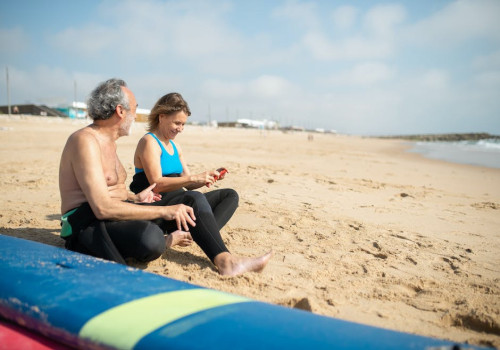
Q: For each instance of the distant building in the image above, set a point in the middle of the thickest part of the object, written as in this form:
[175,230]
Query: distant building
[293,128]
[142,114]
[250,123]
[258,124]
[77,110]
[31,109]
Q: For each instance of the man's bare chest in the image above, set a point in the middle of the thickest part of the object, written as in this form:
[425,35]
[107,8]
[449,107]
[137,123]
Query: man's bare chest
[114,172]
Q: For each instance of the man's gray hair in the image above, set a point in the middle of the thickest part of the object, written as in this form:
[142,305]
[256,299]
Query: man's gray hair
[104,99]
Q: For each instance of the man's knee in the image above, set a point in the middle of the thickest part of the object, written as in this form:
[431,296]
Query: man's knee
[153,243]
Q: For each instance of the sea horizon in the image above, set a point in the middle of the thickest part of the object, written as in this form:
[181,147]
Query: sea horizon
[484,152]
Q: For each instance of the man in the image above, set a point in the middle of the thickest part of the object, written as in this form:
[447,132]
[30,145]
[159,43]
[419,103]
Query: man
[99,216]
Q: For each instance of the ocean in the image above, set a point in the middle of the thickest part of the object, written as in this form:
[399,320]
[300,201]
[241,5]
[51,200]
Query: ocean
[483,152]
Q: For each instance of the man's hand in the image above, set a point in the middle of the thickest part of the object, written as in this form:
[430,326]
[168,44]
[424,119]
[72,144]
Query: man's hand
[182,214]
[147,195]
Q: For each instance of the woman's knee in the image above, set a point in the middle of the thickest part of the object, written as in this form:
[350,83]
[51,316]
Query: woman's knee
[197,200]
[233,195]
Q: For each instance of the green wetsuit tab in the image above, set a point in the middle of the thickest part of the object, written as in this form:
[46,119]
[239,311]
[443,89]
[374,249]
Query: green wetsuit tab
[66,229]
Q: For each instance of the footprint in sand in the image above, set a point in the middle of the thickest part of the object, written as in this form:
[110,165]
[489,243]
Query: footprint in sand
[379,255]
[452,264]
[356,226]
[474,320]
[298,303]
[486,205]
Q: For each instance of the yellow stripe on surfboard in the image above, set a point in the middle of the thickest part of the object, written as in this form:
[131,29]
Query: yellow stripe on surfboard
[125,325]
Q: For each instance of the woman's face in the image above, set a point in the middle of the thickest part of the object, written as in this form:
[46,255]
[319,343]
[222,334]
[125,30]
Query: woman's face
[173,124]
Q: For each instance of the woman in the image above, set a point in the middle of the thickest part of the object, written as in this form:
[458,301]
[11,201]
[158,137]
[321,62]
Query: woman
[158,160]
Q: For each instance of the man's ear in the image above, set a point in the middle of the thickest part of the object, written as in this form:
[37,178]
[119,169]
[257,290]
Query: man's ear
[120,111]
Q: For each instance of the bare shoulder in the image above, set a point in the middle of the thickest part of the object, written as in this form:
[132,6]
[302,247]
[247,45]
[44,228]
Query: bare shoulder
[147,138]
[81,134]
[81,140]
[148,143]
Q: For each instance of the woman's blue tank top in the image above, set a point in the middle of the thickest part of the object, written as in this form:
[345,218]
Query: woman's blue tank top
[170,164]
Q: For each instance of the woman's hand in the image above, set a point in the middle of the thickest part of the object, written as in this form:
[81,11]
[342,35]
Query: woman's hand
[182,214]
[147,195]
[217,175]
[206,178]
[221,173]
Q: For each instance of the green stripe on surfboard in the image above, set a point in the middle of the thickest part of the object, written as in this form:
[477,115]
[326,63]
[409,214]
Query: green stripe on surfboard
[125,325]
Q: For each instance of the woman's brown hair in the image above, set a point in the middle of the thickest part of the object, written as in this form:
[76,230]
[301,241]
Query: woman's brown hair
[169,104]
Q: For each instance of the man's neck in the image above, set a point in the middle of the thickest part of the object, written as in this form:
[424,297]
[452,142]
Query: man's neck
[105,130]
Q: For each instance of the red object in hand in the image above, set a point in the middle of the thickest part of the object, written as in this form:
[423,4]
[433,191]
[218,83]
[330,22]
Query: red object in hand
[222,172]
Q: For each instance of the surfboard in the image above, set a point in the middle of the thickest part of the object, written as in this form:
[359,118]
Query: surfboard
[85,302]
[13,336]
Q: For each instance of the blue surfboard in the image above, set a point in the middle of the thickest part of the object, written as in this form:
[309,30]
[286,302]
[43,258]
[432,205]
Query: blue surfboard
[85,302]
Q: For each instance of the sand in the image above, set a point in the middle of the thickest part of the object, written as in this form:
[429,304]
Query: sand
[361,230]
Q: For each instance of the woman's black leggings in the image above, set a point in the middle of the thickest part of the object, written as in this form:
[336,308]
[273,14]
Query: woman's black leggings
[212,211]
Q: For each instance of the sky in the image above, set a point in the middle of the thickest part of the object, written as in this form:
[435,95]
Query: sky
[357,67]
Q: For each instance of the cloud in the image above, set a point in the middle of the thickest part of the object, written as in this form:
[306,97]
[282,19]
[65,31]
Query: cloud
[376,40]
[268,87]
[433,80]
[214,88]
[363,75]
[301,14]
[488,61]
[456,24]
[354,48]
[489,79]
[192,36]
[381,21]
[198,35]
[152,30]
[88,41]
[344,17]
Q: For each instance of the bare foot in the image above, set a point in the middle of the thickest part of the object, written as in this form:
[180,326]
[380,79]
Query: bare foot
[230,265]
[181,238]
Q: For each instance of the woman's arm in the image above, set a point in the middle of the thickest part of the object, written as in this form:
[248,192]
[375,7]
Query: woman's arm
[197,181]
[148,157]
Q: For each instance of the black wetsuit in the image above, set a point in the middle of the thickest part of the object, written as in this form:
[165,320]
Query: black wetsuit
[144,240]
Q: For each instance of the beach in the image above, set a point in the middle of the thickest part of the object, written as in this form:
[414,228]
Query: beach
[361,230]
